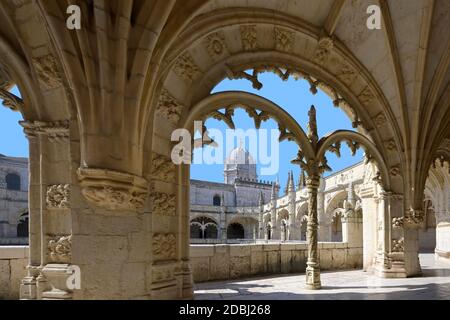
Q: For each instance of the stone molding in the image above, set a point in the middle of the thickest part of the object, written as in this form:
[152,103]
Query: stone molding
[164,246]
[113,190]
[56,131]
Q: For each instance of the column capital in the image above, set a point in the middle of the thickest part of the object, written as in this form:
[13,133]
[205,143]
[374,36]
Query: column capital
[113,190]
[56,131]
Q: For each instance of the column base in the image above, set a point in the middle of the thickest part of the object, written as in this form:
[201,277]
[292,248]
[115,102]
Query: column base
[387,267]
[313,277]
[28,289]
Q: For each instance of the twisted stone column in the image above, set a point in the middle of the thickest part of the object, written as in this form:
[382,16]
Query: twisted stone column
[313,266]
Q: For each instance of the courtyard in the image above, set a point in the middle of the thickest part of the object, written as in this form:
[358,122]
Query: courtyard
[434,284]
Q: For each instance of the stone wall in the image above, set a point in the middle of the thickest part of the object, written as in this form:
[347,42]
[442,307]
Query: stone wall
[232,261]
[13,262]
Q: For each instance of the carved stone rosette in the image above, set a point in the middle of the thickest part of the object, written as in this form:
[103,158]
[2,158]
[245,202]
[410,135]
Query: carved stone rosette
[58,196]
[59,249]
[113,190]
[164,246]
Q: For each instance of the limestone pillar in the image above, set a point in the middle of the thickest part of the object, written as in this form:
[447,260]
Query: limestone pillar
[28,285]
[313,266]
[292,207]
[51,140]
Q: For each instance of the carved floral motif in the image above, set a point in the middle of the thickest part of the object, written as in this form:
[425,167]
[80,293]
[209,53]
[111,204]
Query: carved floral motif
[284,39]
[47,71]
[248,37]
[162,168]
[366,96]
[186,68]
[163,203]
[59,249]
[215,44]
[169,108]
[164,246]
[398,245]
[323,50]
[58,196]
[380,120]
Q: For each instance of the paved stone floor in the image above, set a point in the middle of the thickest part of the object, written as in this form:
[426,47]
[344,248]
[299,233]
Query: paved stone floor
[341,285]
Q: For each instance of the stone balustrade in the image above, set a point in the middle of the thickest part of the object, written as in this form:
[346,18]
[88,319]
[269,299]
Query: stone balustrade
[232,261]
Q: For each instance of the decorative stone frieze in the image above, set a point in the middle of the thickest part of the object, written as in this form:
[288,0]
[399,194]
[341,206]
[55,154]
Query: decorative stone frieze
[163,273]
[169,108]
[284,39]
[248,37]
[58,196]
[47,71]
[164,246]
[57,131]
[113,190]
[59,249]
[380,120]
[323,50]
[162,168]
[398,245]
[163,203]
[186,68]
[366,96]
[215,45]
[346,73]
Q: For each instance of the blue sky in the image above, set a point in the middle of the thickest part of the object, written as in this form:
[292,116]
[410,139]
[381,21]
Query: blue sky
[292,95]
[12,142]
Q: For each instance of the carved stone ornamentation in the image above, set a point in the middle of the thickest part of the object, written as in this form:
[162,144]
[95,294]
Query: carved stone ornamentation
[10,100]
[394,171]
[284,39]
[47,71]
[164,246]
[59,249]
[323,50]
[398,245]
[248,37]
[57,131]
[169,108]
[163,273]
[162,168]
[113,190]
[366,96]
[390,145]
[215,44]
[163,203]
[58,196]
[186,68]
[380,120]
[346,73]
[398,222]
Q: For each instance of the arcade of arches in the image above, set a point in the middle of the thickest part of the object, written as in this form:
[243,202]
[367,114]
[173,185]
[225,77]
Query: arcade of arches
[99,106]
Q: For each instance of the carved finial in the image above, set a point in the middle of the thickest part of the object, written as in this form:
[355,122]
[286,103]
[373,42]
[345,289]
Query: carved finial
[274,194]
[312,126]
[261,199]
[302,180]
[291,184]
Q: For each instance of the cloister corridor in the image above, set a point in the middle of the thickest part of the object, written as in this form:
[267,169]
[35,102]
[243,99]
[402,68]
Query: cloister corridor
[337,285]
